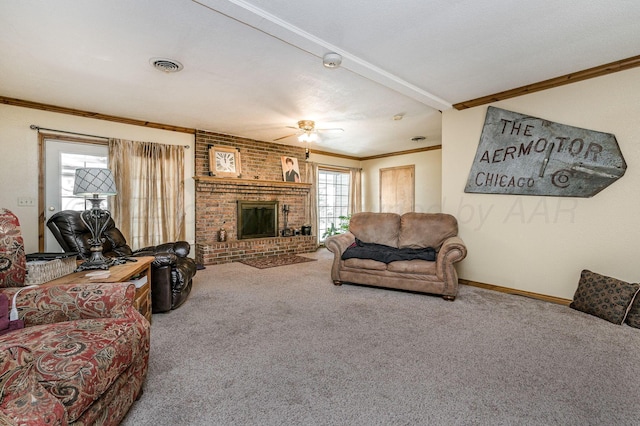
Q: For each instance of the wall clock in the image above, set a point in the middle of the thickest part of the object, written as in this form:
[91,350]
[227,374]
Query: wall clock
[224,161]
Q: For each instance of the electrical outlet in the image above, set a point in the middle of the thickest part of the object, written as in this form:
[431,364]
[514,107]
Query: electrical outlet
[26,202]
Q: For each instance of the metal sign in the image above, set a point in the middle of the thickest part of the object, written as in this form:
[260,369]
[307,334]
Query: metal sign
[523,155]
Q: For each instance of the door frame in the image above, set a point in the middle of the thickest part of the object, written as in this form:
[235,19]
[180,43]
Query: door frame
[42,138]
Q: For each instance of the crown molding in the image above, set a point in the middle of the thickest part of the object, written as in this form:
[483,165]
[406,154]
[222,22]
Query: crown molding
[87,114]
[332,154]
[410,151]
[598,71]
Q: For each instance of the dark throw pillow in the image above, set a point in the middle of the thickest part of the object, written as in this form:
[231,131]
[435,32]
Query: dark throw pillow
[604,297]
[633,317]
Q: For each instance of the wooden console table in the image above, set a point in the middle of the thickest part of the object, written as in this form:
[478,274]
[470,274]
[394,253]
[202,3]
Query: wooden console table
[130,271]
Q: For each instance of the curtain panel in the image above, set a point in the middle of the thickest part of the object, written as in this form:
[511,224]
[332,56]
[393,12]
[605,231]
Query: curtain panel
[355,191]
[312,199]
[149,207]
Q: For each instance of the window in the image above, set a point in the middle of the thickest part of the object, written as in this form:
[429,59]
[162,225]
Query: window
[333,199]
[60,156]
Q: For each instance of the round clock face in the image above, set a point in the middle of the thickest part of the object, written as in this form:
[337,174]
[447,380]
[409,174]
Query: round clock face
[225,162]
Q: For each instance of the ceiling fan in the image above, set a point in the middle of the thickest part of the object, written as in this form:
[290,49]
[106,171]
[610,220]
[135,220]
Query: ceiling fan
[307,131]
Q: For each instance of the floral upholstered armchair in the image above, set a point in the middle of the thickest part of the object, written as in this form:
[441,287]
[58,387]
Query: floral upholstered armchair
[82,355]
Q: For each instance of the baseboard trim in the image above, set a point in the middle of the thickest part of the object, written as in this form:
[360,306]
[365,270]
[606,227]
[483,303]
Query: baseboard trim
[552,299]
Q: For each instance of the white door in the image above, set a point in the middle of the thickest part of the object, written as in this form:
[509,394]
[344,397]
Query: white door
[61,160]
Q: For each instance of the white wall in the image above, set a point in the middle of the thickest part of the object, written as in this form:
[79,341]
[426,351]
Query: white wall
[333,161]
[428,179]
[19,159]
[540,244]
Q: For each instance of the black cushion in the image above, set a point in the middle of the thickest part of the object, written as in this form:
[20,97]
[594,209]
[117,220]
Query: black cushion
[387,254]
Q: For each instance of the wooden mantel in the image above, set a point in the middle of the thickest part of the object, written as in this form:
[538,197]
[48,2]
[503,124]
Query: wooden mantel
[215,184]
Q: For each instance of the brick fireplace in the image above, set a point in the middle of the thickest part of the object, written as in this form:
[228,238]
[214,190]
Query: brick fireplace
[261,180]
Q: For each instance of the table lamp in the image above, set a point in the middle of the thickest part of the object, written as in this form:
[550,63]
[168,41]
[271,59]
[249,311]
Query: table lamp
[94,183]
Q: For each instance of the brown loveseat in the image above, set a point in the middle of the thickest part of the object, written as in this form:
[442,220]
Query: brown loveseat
[415,234]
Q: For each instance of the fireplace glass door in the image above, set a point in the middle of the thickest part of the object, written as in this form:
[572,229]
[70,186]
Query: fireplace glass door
[257,219]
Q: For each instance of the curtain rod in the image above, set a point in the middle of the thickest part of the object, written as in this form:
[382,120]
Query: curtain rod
[337,167]
[38,128]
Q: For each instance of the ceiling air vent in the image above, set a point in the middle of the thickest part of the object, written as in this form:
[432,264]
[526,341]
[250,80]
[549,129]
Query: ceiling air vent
[165,65]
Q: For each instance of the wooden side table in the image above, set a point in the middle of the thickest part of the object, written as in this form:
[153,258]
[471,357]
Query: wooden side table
[138,272]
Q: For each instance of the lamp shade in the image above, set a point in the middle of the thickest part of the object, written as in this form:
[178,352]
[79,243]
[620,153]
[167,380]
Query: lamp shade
[90,181]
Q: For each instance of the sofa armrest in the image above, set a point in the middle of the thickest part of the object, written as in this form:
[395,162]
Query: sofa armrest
[23,400]
[452,250]
[56,303]
[163,258]
[181,248]
[337,244]
[14,360]
[178,248]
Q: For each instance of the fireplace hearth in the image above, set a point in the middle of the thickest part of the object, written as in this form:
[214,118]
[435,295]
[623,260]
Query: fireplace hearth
[257,219]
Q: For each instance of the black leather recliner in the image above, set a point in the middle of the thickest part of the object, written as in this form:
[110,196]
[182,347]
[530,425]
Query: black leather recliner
[171,271]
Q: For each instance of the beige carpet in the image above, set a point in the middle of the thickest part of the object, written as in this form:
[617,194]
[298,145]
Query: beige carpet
[284,346]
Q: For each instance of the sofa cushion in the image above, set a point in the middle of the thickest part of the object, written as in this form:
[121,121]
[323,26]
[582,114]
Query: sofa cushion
[379,228]
[604,297]
[413,267]
[365,264]
[77,361]
[421,230]
[21,396]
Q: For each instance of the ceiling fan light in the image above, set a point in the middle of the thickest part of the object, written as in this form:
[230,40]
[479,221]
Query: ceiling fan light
[308,137]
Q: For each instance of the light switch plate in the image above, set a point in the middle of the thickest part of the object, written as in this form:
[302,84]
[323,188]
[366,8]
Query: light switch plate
[26,202]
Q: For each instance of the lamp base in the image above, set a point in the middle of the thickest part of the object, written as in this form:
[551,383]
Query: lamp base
[98,261]
[96,221]
[88,265]
[105,264]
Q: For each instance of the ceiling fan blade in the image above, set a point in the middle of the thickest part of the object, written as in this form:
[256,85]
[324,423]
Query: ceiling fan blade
[307,126]
[284,137]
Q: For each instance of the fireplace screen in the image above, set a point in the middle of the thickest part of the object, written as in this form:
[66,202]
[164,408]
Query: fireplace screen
[257,219]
